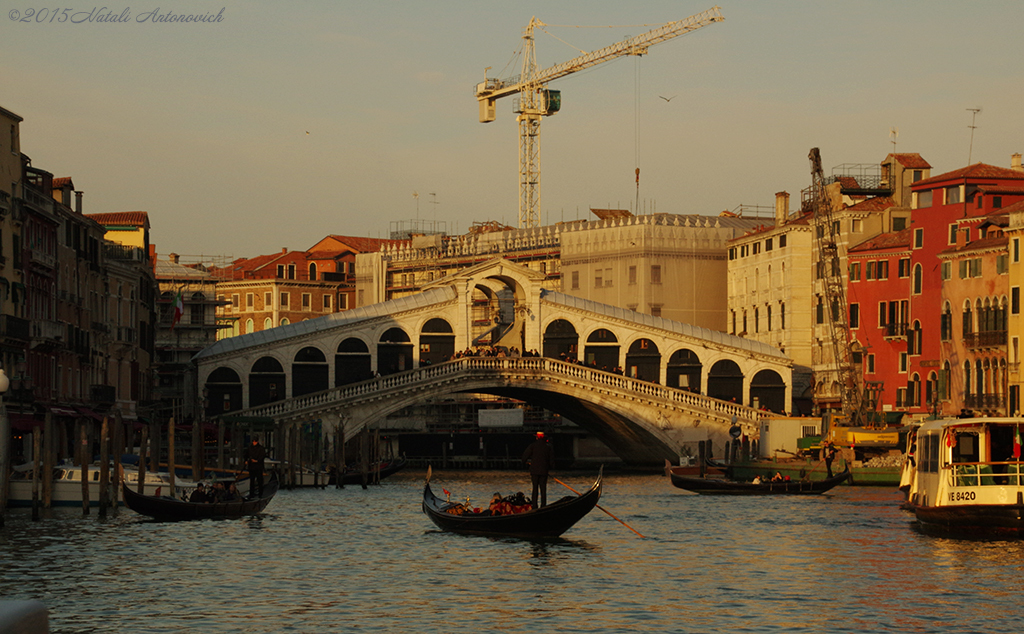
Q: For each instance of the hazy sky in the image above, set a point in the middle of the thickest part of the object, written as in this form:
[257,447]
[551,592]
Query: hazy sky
[288,121]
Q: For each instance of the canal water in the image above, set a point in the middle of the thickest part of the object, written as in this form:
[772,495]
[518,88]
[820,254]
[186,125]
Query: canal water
[355,560]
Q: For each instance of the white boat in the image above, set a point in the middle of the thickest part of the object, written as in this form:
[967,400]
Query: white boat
[965,476]
[67,485]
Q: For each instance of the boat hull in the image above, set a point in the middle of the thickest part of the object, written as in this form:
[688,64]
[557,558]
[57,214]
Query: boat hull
[993,520]
[166,508]
[721,486]
[388,469]
[546,522]
[67,487]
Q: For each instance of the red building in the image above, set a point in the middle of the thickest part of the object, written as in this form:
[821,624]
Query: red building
[879,310]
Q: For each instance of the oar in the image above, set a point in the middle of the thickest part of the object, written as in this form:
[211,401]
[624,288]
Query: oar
[598,506]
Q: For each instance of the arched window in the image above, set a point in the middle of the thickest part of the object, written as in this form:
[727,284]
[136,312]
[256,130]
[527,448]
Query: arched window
[918,279]
[312,271]
[249,326]
[268,323]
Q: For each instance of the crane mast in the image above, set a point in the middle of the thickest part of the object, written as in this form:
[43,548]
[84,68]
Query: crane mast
[537,101]
[834,285]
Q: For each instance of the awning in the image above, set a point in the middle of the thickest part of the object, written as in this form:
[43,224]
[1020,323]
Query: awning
[62,411]
[24,422]
[85,411]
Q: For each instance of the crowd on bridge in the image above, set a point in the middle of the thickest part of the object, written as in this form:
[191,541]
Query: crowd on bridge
[493,351]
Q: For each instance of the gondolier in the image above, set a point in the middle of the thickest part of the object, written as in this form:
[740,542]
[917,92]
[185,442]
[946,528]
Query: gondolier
[254,458]
[541,458]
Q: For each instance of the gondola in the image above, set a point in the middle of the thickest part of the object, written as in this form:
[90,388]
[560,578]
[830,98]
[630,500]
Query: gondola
[386,468]
[168,508]
[546,522]
[722,486]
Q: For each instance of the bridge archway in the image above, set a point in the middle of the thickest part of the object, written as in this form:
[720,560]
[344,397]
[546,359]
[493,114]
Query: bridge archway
[684,371]
[643,361]
[602,350]
[767,389]
[352,362]
[266,382]
[222,392]
[394,352]
[725,381]
[309,371]
[561,341]
[437,341]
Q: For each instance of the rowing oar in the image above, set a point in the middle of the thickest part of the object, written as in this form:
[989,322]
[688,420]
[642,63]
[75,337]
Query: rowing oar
[598,506]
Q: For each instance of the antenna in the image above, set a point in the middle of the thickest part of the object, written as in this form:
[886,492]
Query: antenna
[974,113]
[893,133]
[434,202]
[416,195]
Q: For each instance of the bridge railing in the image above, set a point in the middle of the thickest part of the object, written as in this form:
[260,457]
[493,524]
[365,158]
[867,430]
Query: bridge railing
[581,375]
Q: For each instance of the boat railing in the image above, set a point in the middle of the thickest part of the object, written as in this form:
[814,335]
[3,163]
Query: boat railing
[972,474]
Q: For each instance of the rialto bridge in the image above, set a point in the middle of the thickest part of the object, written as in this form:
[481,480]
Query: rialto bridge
[641,384]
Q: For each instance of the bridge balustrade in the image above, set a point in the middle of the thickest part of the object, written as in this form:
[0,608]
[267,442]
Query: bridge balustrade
[581,376]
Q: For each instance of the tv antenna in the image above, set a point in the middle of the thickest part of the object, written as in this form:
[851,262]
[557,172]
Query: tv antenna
[894,132]
[970,151]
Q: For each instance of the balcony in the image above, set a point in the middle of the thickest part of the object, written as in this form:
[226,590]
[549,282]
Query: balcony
[102,394]
[985,339]
[46,333]
[985,401]
[46,260]
[895,330]
[13,327]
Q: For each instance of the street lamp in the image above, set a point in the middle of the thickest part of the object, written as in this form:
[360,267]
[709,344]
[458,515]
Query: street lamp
[5,445]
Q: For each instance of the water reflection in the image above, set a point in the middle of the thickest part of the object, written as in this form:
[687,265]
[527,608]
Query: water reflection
[353,559]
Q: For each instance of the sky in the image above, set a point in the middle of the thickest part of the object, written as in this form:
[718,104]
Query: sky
[280,123]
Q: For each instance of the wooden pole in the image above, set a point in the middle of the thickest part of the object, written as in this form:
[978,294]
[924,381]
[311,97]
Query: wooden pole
[37,464]
[197,468]
[118,444]
[48,450]
[143,445]
[170,453]
[342,465]
[220,445]
[364,457]
[86,459]
[155,447]
[104,466]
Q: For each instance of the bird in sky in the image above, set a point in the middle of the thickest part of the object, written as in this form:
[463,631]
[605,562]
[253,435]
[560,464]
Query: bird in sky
[669,98]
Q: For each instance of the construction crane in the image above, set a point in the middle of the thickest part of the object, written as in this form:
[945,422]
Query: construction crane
[834,284]
[536,100]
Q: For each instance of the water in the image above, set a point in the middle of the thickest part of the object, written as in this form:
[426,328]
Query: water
[369,561]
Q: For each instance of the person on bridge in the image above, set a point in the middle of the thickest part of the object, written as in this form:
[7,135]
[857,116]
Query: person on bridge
[541,458]
[254,458]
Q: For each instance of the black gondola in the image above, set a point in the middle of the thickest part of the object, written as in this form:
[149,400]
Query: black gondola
[722,486]
[385,469]
[168,508]
[548,521]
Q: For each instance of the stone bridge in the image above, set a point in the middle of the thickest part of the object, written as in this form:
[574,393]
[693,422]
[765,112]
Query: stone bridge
[641,384]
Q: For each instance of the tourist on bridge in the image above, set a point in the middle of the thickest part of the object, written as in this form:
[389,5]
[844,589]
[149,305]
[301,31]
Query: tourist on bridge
[541,458]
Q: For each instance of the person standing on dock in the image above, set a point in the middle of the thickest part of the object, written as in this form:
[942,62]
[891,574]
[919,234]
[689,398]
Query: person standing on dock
[254,458]
[541,458]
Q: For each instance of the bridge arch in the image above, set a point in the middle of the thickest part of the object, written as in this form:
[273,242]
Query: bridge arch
[643,360]
[222,392]
[602,350]
[561,341]
[768,389]
[309,371]
[437,341]
[684,370]
[394,351]
[352,362]
[266,381]
[725,381]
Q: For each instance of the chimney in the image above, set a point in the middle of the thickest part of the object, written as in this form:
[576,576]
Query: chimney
[781,208]
[1015,163]
[78,202]
[173,258]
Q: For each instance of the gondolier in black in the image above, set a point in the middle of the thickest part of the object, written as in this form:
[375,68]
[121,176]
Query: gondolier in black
[541,458]
[828,454]
[255,455]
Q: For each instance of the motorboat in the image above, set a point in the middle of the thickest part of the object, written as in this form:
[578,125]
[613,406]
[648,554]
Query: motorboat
[67,484]
[965,476]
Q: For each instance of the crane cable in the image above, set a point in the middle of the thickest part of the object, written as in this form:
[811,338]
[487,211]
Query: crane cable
[636,130]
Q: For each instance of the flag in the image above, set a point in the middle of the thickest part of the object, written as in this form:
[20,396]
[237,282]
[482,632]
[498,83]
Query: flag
[179,309]
[1016,443]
